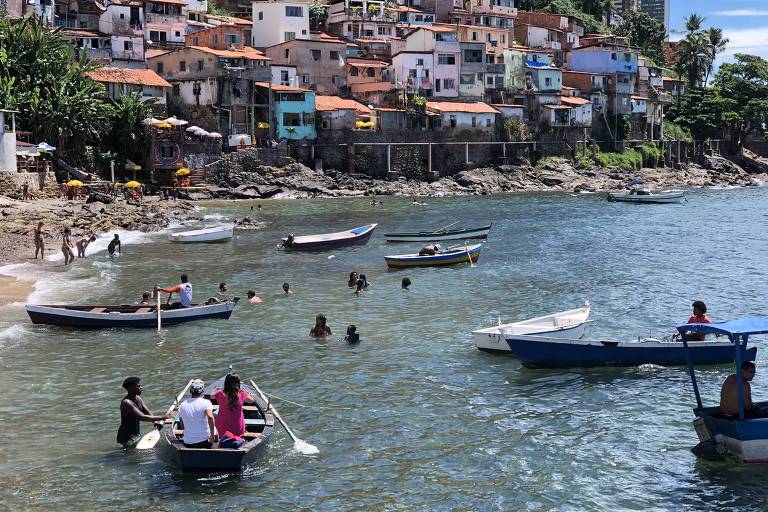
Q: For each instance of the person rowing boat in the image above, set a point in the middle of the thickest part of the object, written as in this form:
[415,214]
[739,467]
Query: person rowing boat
[132,411]
[184,289]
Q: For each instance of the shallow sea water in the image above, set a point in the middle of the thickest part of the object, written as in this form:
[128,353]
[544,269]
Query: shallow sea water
[413,418]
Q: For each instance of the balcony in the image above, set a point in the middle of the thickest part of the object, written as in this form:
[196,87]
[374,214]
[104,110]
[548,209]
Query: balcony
[495,69]
[165,19]
[625,88]
[555,45]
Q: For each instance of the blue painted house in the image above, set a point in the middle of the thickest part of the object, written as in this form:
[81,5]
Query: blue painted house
[609,59]
[541,77]
[293,111]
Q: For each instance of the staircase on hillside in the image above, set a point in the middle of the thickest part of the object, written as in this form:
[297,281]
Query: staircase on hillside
[197,177]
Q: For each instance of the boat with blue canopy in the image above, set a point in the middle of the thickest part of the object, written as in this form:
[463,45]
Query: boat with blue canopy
[745,435]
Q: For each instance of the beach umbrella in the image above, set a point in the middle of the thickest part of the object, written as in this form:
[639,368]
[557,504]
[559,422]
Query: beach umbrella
[262,125]
[182,172]
[193,128]
[201,133]
[162,124]
[75,183]
[45,147]
[132,184]
[175,122]
[215,135]
[151,120]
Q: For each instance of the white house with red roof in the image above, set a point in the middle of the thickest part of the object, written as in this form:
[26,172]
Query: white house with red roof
[122,81]
[475,116]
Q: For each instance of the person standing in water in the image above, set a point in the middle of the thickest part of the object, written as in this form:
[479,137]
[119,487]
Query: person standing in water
[39,241]
[132,411]
[252,298]
[114,244]
[66,247]
[405,283]
[287,289]
[320,329]
[83,243]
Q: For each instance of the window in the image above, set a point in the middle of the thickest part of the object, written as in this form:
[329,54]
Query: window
[291,119]
[232,38]
[182,65]
[195,41]
[289,36]
[419,62]
[157,36]
[412,73]
[449,83]
[438,36]
[467,79]
[200,65]
[384,31]
[128,46]
[613,56]
[178,34]
[474,121]
[353,72]
[370,72]
[474,36]
[175,90]
[94,43]
[446,59]
[489,59]
[334,55]
[122,16]
[261,15]
[489,80]
[305,78]
[303,32]
[334,79]
[349,28]
[294,11]
[473,56]
[284,75]
[452,119]
[214,39]
[287,53]
[548,81]
[315,54]
[627,57]
[159,67]
[488,123]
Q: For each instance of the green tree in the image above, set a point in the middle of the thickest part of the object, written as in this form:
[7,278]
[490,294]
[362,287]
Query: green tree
[42,78]
[647,32]
[317,15]
[128,135]
[693,23]
[716,46]
[692,59]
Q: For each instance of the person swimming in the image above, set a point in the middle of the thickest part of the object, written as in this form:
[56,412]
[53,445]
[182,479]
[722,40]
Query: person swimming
[252,298]
[352,279]
[287,288]
[352,337]
[405,283]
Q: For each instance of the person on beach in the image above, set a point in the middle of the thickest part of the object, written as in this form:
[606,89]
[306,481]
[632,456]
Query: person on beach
[405,283]
[24,191]
[699,316]
[352,279]
[352,337]
[114,244]
[320,329]
[231,400]
[252,298]
[144,299]
[360,287]
[83,243]
[66,247]
[729,397]
[39,241]
[287,289]
[196,413]
[184,289]
[132,411]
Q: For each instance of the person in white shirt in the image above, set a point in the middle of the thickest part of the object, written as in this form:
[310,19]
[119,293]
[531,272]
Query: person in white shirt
[184,290]
[196,413]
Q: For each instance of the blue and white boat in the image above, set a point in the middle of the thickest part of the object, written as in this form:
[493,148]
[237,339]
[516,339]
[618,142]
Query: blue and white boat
[744,436]
[355,236]
[554,352]
[451,256]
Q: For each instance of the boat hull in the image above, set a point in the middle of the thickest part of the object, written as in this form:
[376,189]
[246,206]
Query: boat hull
[746,439]
[438,260]
[622,197]
[495,343]
[332,240]
[85,319]
[480,233]
[545,352]
[203,236]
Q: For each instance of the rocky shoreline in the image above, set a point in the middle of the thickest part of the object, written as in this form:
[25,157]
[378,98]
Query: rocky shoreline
[230,181]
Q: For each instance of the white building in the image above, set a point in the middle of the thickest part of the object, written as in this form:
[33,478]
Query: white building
[278,21]
[124,21]
[475,116]
[196,9]
[284,74]
[8,141]
[166,21]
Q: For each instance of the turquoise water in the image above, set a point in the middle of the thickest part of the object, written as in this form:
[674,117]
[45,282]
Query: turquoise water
[413,418]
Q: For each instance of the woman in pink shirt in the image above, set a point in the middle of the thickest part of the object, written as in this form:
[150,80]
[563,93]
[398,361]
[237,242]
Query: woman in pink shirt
[231,399]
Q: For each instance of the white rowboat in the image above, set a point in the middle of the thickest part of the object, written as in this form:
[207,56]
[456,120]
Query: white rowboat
[570,323]
[207,235]
[640,196]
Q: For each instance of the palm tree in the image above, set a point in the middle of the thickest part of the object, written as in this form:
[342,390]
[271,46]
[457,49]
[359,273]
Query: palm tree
[693,58]
[717,44]
[693,23]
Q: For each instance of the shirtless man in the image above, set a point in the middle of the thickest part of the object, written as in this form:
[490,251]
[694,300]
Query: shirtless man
[132,411]
[39,242]
[729,398]
[83,243]
[66,247]
[252,298]
[114,244]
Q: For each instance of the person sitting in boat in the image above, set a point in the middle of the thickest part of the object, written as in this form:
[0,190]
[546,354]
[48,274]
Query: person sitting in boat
[289,240]
[184,289]
[729,398]
[352,337]
[231,400]
[252,298]
[352,279]
[196,413]
[698,317]
[428,250]
[132,411]
[144,299]
[320,329]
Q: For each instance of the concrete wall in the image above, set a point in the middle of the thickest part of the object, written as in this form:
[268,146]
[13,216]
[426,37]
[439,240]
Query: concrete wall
[270,22]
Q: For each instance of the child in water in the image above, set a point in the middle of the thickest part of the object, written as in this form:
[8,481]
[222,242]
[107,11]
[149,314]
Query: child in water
[352,337]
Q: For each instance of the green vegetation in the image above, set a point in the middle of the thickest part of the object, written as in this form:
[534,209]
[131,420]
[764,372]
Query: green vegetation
[697,51]
[585,162]
[318,15]
[515,130]
[651,154]
[218,11]
[419,104]
[555,160]
[589,12]
[648,33]
[629,160]
[673,131]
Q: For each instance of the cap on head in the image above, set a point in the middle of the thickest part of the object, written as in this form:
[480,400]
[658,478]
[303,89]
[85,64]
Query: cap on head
[197,387]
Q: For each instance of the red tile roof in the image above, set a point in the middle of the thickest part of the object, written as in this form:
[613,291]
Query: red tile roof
[128,76]
[469,108]
[372,87]
[506,105]
[324,103]
[371,63]
[573,100]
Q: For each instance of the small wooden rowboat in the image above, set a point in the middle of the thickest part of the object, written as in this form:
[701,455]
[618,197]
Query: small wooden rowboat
[356,236]
[451,256]
[126,315]
[570,323]
[439,235]
[207,235]
[259,427]
[643,196]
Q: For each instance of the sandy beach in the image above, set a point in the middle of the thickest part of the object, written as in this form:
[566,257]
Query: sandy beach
[14,290]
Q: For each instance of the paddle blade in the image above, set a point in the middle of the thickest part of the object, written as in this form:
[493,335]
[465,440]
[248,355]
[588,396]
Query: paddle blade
[149,440]
[305,448]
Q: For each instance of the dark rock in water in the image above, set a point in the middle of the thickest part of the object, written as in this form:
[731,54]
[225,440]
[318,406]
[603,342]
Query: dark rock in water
[720,165]
[246,192]
[98,197]
[249,223]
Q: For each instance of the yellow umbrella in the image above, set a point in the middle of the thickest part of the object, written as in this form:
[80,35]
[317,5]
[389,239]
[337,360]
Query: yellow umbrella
[161,124]
[262,125]
[132,184]
[75,183]
[183,172]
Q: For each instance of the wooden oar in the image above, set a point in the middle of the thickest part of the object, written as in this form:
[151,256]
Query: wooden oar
[299,445]
[446,227]
[151,438]
[471,264]
[159,322]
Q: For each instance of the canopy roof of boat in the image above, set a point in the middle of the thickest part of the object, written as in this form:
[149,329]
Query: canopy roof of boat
[751,325]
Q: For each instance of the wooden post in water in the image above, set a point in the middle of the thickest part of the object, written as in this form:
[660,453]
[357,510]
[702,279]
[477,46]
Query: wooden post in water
[389,159]
[429,160]
[466,153]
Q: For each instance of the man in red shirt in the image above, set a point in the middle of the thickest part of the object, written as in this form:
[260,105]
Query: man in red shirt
[699,316]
